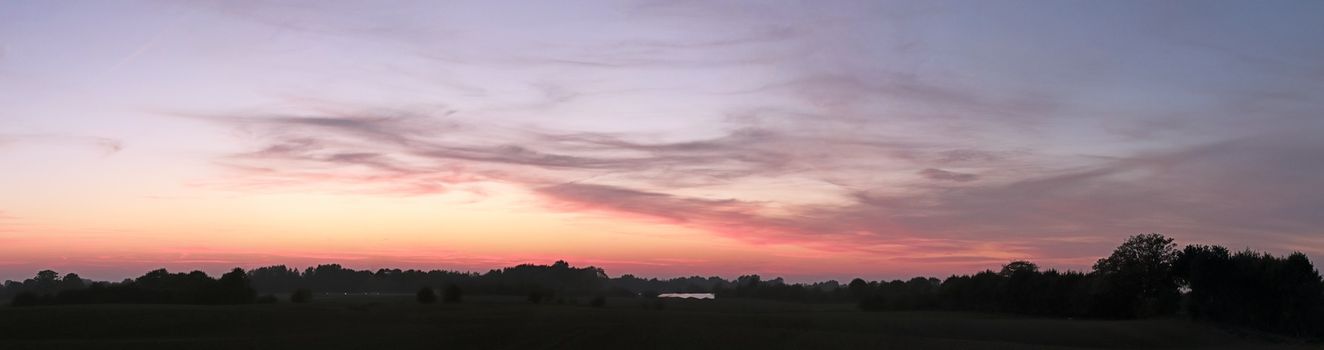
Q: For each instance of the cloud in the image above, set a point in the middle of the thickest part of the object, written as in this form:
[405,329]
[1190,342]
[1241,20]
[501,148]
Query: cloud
[943,175]
[1228,190]
[107,146]
[672,208]
[807,138]
[1231,191]
[418,145]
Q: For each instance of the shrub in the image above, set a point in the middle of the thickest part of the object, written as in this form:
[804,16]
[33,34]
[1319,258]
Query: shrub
[267,299]
[426,295]
[598,301]
[26,299]
[452,294]
[301,296]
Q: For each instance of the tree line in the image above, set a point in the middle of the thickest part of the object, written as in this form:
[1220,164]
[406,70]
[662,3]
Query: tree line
[155,287]
[1145,276]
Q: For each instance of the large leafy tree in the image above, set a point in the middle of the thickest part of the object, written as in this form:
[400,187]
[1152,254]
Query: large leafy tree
[1137,280]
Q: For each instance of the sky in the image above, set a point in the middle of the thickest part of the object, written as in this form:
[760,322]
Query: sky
[807,139]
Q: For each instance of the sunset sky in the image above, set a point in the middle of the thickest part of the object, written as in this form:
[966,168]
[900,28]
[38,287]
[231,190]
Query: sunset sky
[806,139]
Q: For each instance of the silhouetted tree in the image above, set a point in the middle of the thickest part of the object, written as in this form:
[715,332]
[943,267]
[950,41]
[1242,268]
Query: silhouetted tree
[234,288]
[46,282]
[158,287]
[72,281]
[629,285]
[1284,295]
[426,295]
[26,299]
[301,296]
[1137,280]
[1018,266]
[452,294]
[859,289]
[1023,287]
[277,278]
[1144,276]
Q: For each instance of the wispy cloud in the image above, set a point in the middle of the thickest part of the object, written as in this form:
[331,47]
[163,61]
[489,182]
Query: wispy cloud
[904,130]
[944,175]
[107,146]
[886,192]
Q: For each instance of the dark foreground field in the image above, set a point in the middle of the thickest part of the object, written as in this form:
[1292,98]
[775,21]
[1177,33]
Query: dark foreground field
[506,323]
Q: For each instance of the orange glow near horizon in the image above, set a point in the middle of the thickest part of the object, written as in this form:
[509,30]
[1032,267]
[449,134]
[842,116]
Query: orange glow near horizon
[425,232]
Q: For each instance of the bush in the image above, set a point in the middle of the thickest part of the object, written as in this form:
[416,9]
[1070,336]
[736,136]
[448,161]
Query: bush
[598,301]
[536,297]
[301,296]
[452,294]
[267,299]
[26,299]
[426,295]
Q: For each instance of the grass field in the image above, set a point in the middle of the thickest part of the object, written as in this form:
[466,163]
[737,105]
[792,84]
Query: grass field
[395,322]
